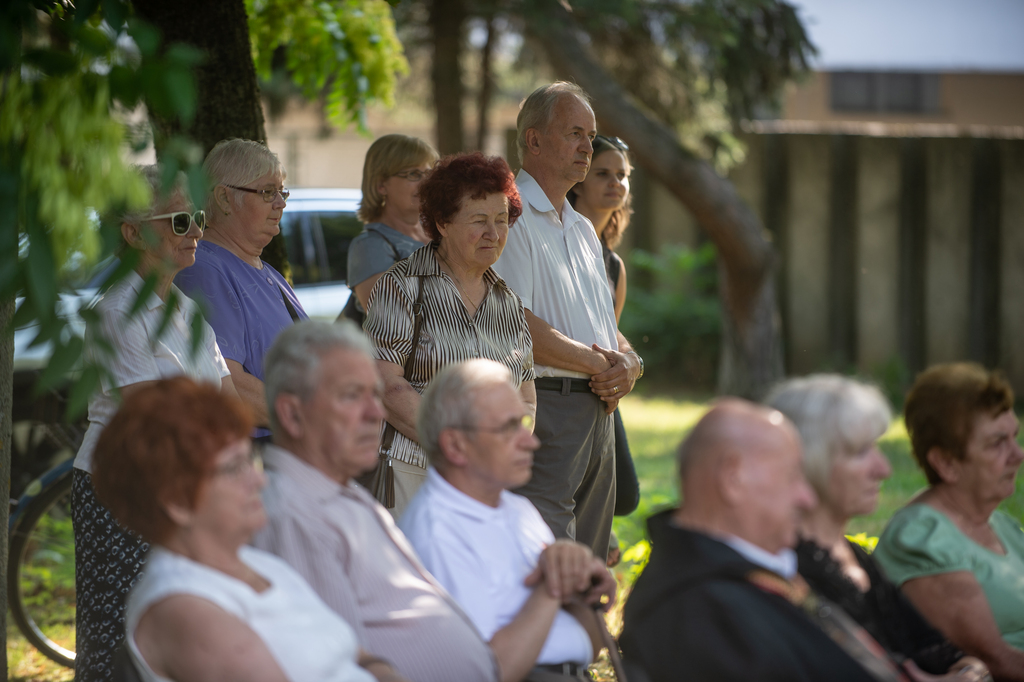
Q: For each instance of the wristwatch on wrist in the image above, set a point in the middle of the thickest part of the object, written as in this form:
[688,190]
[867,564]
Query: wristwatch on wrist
[640,360]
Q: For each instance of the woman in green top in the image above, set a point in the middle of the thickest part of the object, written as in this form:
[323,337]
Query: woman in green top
[959,560]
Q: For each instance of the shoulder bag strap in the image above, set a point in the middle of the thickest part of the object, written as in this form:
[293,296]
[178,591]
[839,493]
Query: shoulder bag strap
[394,247]
[288,305]
[384,490]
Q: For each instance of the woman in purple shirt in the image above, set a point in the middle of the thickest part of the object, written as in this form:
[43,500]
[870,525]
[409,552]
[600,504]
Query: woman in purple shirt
[248,302]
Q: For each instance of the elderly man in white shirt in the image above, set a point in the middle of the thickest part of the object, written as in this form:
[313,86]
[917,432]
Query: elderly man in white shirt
[584,366]
[529,595]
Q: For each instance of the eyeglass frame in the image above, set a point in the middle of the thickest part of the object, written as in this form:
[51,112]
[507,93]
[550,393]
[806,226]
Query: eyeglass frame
[264,193]
[241,466]
[405,174]
[509,428]
[191,216]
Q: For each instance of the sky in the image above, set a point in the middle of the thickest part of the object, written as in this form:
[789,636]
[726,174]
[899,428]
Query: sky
[918,35]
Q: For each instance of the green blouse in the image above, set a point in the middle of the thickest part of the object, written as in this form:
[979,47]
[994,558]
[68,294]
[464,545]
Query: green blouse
[920,541]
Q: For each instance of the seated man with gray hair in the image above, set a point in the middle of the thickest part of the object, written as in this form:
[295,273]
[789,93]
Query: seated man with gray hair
[527,594]
[324,399]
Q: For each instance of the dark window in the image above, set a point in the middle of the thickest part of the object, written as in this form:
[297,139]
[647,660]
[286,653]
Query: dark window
[884,92]
[317,244]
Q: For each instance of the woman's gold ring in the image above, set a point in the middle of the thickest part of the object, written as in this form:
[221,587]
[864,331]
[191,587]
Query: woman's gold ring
[615,390]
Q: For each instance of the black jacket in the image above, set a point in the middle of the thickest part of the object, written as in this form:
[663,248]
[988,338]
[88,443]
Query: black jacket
[693,615]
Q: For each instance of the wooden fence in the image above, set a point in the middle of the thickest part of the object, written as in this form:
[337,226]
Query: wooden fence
[901,246]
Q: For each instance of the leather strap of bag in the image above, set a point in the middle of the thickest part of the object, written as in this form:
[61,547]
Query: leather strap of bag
[384,488]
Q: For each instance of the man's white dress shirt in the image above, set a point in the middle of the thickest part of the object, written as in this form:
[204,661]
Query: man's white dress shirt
[555,265]
[481,555]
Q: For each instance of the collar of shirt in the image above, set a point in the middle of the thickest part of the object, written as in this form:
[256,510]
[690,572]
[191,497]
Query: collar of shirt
[314,483]
[461,503]
[530,191]
[422,263]
[153,302]
[783,563]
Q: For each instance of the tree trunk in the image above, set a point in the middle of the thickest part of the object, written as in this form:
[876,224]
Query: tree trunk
[228,102]
[486,94]
[447,18]
[6,436]
[752,341]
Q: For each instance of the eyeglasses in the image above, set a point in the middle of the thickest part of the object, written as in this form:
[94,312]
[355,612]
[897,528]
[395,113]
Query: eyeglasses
[508,429]
[616,142]
[242,465]
[268,194]
[414,175]
[181,221]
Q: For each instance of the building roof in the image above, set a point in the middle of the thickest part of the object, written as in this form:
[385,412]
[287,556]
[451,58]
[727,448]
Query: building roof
[916,35]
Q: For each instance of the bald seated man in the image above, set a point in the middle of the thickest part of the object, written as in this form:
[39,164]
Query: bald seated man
[720,598]
[528,594]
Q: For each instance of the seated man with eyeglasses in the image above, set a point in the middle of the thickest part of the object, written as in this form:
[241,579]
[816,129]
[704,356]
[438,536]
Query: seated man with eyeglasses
[528,595]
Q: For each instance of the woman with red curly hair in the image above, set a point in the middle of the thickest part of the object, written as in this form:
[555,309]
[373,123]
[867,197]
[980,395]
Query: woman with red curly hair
[176,467]
[448,293]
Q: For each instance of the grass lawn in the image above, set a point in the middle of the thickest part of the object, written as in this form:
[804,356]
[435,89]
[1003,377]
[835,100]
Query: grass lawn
[656,426]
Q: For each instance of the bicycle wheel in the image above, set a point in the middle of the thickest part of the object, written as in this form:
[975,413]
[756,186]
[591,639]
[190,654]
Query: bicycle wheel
[41,572]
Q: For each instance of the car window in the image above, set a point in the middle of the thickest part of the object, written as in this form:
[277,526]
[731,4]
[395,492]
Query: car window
[292,227]
[338,230]
[317,244]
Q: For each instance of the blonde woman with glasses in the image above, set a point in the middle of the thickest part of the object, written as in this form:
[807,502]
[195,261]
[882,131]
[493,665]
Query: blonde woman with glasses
[394,168]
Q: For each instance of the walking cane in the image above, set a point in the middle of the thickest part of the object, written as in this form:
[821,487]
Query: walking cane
[611,644]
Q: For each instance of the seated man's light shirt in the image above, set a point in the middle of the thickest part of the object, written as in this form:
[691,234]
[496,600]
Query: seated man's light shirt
[557,268]
[347,547]
[784,563]
[481,555]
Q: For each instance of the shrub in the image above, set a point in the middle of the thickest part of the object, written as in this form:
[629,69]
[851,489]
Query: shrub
[675,322]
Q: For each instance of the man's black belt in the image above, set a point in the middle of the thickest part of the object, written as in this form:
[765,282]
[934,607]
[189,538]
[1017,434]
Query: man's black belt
[569,669]
[564,385]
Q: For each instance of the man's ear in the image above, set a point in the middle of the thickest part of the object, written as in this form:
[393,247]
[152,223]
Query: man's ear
[532,139]
[731,477]
[944,464]
[453,447]
[288,409]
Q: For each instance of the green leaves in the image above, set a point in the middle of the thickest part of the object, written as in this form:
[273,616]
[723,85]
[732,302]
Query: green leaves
[67,77]
[346,51]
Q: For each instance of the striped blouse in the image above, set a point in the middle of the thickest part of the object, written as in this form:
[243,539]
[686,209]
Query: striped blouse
[448,334]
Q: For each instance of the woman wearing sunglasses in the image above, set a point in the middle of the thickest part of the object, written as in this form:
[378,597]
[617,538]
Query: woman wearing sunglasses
[604,198]
[395,166]
[247,301]
[139,345]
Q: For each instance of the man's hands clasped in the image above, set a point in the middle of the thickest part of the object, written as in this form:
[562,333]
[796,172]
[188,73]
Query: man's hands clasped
[571,573]
[614,383]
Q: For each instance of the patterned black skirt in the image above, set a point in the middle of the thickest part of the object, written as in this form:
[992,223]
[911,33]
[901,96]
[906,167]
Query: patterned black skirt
[108,561]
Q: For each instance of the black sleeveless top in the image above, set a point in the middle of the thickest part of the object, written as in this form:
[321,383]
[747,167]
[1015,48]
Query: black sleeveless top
[613,266]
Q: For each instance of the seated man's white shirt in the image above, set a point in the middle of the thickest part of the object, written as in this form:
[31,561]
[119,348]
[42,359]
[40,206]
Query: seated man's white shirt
[481,555]
[784,563]
[556,267]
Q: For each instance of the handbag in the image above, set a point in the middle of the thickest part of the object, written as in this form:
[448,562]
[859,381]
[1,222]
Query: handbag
[381,482]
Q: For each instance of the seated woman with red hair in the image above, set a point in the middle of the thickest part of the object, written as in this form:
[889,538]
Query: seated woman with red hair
[175,465]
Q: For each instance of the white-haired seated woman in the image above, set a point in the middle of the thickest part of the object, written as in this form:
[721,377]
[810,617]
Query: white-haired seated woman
[840,421]
[176,466]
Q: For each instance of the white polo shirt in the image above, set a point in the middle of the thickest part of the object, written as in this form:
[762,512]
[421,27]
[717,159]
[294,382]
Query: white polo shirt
[481,555]
[554,263]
